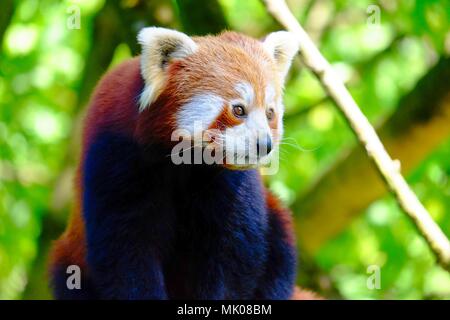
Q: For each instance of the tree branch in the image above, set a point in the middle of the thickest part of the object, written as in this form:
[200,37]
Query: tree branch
[388,168]
[416,128]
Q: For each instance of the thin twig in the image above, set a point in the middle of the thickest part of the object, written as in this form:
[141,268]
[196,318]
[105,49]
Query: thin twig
[388,168]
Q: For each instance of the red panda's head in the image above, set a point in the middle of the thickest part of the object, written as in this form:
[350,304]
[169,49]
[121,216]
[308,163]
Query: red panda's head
[226,89]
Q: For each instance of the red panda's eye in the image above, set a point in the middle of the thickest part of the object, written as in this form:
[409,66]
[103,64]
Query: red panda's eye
[239,110]
[270,114]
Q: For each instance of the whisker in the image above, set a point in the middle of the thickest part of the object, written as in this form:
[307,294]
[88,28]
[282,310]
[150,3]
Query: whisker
[296,145]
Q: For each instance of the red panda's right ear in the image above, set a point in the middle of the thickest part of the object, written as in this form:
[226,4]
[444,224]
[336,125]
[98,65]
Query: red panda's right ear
[282,46]
[159,47]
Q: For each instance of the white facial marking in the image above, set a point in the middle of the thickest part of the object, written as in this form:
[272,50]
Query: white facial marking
[257,122]
[270,95]
[246,92]
[273,102]
[240,140]
[280,110]
[200,111]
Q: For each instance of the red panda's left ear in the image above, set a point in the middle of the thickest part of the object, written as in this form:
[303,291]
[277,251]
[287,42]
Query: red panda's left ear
[282,47]
[159,47]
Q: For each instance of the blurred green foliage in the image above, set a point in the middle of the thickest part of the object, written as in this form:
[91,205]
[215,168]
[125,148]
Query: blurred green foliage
[42,73]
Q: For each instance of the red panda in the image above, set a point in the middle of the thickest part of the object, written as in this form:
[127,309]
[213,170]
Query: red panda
[146,228]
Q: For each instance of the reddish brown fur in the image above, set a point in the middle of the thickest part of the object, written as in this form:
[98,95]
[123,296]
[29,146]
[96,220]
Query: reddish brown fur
[226,120]
[114,106]
[120,117]
[283,215]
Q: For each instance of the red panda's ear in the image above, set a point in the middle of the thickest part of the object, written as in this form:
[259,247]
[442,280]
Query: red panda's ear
[159,47]
[282,47]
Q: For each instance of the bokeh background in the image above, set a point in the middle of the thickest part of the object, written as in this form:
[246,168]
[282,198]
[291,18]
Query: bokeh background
[393,56]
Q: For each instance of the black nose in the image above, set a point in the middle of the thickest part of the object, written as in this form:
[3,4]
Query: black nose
[263,146]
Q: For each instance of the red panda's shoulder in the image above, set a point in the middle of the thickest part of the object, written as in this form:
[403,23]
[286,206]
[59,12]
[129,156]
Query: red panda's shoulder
[282,215]
[114,103]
